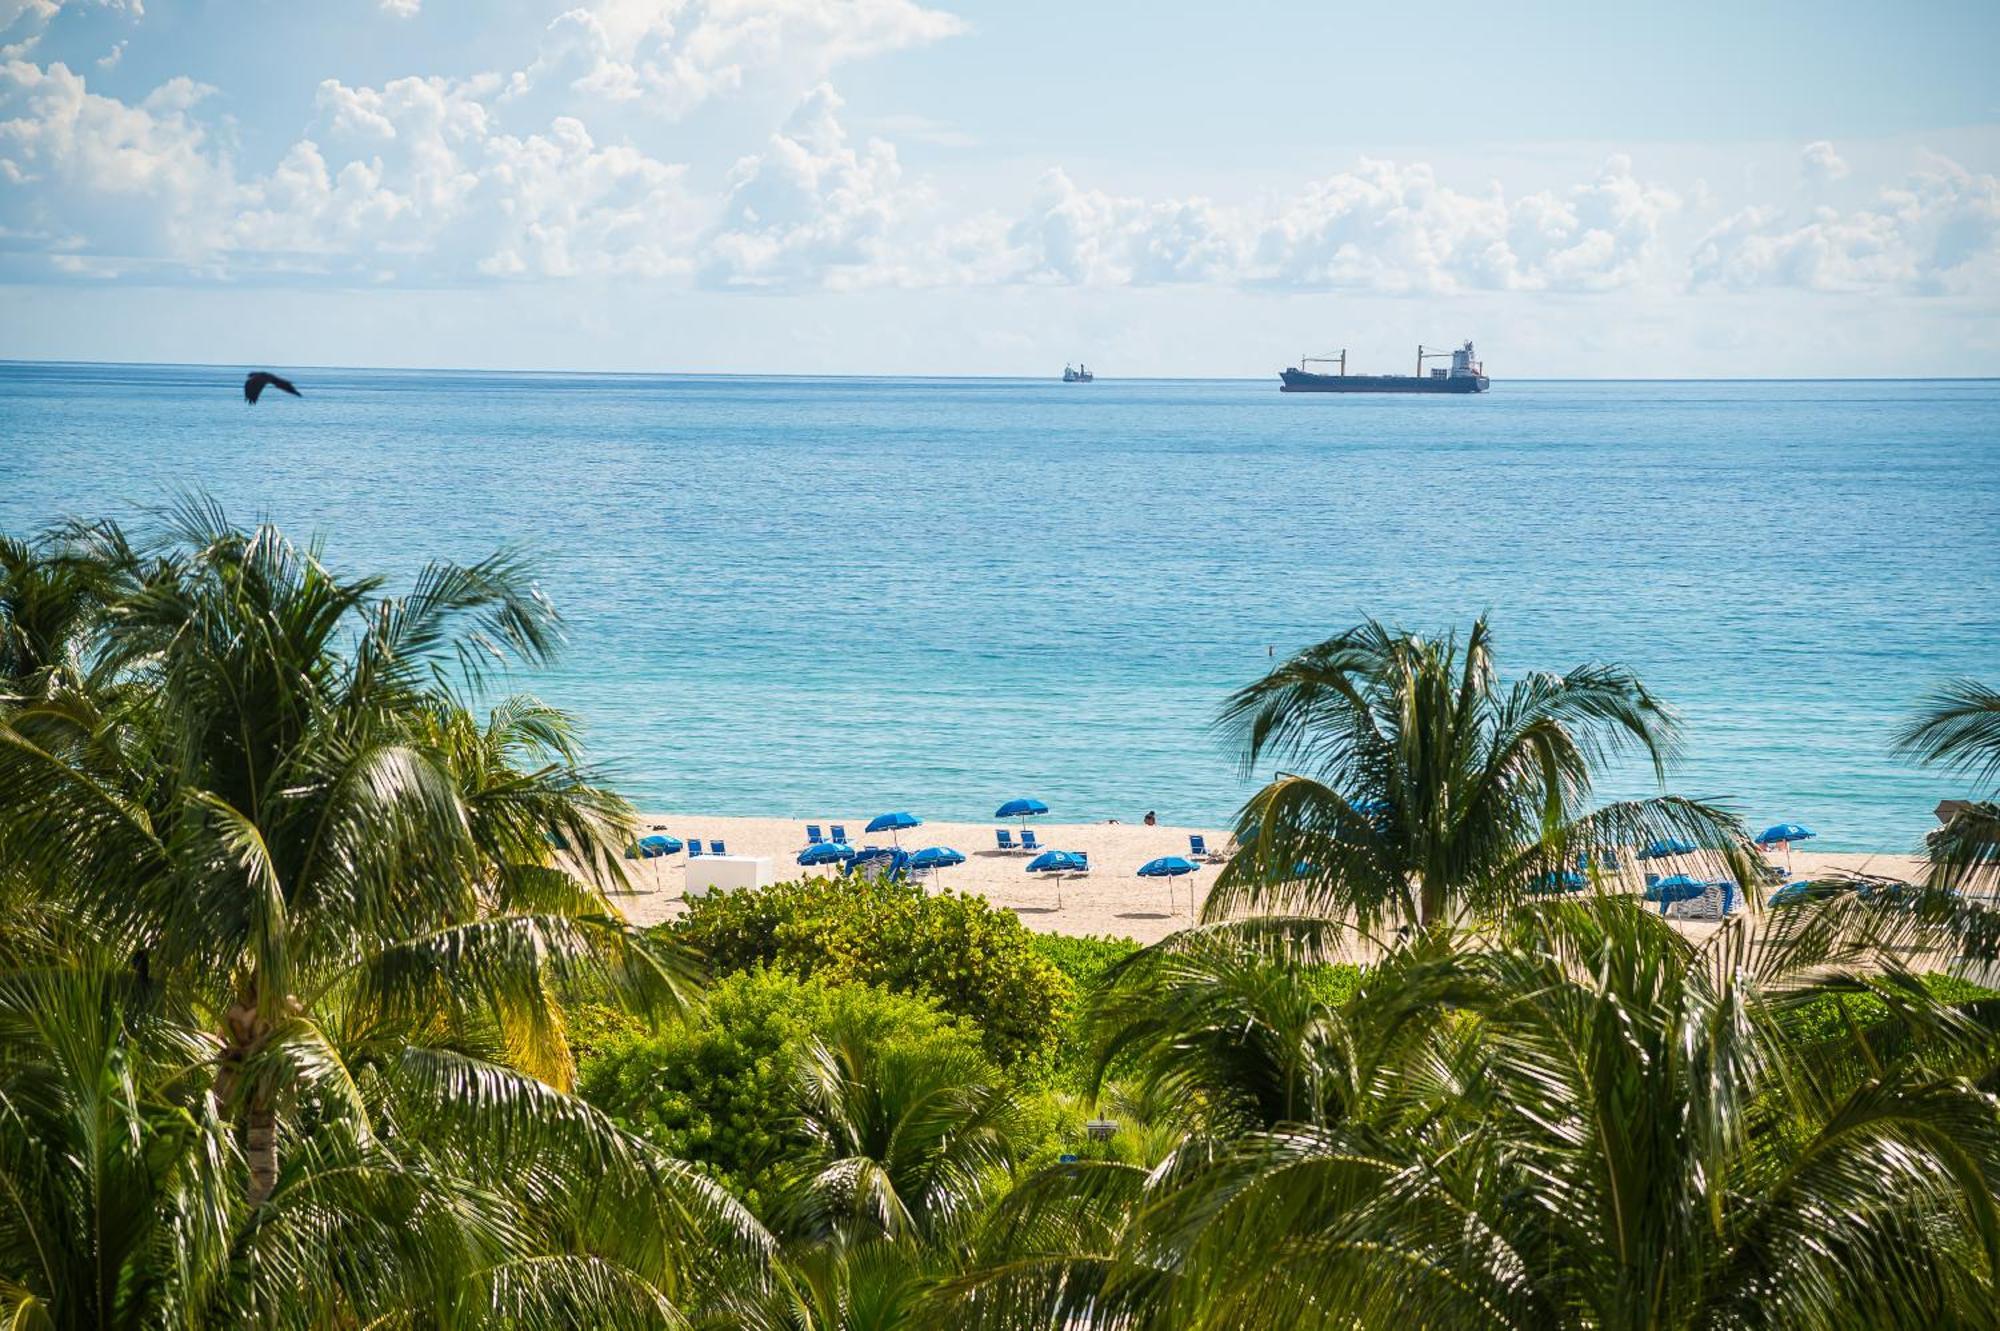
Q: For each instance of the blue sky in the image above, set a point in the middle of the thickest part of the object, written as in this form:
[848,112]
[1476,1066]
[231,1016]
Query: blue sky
[895,186]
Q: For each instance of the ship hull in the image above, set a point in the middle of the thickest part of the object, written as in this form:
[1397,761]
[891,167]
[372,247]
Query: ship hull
[1298,381]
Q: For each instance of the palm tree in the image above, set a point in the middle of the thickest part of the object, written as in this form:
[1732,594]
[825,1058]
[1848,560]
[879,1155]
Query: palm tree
[908,1140]
[124,1205]
[1959,731]
[1584,1120]
[1427,785]
[52,594]
[910,1144]
[267,812]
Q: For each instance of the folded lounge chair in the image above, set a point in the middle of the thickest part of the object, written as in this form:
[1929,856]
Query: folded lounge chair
[1716,901]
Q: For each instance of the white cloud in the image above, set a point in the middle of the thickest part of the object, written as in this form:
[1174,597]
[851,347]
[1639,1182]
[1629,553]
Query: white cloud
[1391,228]
[27,20]
[673,55]
[1093,238]
[1937,233]
[1821,164]
[143,177]
[411,179]
[110,59]
[401,8]
[434,179]
[813,208]
[426,181]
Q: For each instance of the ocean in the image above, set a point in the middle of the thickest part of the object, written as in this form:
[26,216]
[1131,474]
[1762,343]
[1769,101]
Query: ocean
[795,596]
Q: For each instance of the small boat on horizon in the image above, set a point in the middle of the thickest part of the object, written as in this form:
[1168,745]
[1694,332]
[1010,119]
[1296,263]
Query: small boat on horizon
[1080,375]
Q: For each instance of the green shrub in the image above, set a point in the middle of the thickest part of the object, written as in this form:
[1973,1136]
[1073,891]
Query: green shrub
[716,1087]
[1083,957]
[1822,1020]
[976,961]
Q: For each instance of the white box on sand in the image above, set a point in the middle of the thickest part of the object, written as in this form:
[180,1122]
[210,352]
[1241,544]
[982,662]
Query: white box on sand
[726,873]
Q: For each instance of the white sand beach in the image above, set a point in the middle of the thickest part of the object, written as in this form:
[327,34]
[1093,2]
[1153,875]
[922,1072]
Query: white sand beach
[1113,899]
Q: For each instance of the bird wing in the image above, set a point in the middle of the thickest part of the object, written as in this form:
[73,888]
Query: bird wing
[254,386]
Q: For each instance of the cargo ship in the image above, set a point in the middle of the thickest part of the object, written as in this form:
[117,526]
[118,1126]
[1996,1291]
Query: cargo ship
[1080,375]
[1466,375]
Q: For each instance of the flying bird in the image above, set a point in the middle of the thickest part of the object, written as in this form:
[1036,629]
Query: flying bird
[254,386]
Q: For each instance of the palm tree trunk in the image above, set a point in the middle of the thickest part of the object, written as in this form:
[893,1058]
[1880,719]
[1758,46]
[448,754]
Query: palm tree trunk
[1430,903]
[261,1147]
[244,1033]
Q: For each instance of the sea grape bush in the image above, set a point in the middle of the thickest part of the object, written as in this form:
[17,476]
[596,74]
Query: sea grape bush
[717,1087]
[976,961]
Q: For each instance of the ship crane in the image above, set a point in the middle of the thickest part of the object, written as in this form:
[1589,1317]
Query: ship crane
[1428,353]
[1340,360]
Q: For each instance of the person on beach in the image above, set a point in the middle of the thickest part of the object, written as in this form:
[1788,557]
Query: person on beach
[1151,819]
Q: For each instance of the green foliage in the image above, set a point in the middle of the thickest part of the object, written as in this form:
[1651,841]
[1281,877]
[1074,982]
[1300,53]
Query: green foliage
[280,1040]
[719,1086]
[1083,957]
[1413,782]
[975,960]
[1822,1019]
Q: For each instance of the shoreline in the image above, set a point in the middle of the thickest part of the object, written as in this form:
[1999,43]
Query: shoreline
[1112,899]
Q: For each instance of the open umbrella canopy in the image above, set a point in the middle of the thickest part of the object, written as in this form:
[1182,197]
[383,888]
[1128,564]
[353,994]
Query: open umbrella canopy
[1057,861]
[1668,847]
[1021,808]
[652,847]
[893,822]
[1564,880]
[935,857]
[1678,887]
[1781,833]
[826,852]
[1167,866]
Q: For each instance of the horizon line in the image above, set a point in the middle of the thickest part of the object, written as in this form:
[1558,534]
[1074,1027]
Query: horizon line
[991,378]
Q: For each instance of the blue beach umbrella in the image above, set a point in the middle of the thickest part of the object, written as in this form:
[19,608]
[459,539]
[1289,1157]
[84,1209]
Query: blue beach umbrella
[1668,847]
[1023,809]
[1784,834]
[893,823]
[1058,863]
[1171,867]
[1677,887]
[1566,880]
[826,852]
[934,858]
[652,848]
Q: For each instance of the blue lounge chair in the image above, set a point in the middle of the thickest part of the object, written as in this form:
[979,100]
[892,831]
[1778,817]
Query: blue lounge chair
[694,847]
[1028,842]
[1197,846]
[813,838]
[1006,839]
[1082,862]
[839,835]
[715,848]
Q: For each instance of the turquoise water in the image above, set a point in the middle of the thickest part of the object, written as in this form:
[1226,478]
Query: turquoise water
[801,596]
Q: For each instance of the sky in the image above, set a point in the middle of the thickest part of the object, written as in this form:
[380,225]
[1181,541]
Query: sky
[906,187]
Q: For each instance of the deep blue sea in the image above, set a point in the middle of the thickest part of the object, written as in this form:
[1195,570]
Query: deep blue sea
[804,596]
